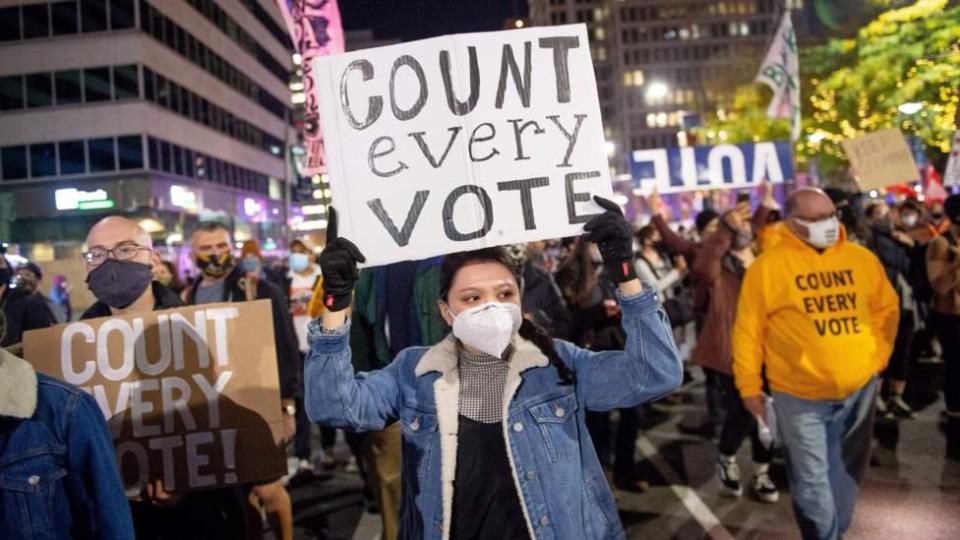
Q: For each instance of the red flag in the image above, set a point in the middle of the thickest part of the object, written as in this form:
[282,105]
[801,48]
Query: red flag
[934,190]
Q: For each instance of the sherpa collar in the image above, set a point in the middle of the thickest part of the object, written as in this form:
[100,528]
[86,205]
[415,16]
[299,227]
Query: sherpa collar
[442,357]
[18,386]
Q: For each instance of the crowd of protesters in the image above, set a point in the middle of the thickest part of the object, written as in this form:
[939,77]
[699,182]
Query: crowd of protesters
[803,319]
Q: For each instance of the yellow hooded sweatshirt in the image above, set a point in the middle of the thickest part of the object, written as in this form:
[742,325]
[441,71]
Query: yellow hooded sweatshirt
[822,323]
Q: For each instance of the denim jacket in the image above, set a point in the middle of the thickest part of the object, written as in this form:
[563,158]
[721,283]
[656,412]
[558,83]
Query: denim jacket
[562,490]
[58,473]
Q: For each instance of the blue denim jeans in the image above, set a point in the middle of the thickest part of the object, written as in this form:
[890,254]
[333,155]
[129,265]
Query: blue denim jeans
[827,446]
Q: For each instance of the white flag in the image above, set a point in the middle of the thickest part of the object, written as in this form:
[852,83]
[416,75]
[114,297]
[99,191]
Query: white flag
[780,71]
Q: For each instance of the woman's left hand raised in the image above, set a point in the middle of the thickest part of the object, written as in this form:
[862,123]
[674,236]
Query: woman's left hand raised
[614,237]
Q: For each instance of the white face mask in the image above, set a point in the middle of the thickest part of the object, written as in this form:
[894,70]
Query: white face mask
[488,328]
[910,220]
[822,234]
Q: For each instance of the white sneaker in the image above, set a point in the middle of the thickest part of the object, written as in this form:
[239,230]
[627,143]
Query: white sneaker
[764,489]
[729,473]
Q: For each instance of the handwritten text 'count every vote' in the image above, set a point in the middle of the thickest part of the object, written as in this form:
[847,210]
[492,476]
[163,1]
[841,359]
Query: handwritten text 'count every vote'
[151,376]
[481,145]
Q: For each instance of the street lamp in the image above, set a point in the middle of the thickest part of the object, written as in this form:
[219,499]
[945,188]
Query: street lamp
[911,107]
[657,90]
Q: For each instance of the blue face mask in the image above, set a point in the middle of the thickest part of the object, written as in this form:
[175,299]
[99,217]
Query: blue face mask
[250,264]
[299,262]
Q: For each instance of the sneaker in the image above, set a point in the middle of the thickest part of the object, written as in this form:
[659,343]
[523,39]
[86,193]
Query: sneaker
[900,409]
[729,473]
[883,411]
[764,489]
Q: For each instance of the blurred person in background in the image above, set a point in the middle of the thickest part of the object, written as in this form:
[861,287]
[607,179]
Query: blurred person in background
[596,316]
[304,278]
[169,277]
[542,301]
[943,270]
[29,277]
[20,309]
[724,259]
[60,294]
[893,247]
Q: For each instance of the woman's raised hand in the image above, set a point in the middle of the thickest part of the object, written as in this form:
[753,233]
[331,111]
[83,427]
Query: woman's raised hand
[338,262]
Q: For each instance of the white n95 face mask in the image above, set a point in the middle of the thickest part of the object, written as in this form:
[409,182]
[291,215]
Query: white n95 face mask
[822,234]
[488,328]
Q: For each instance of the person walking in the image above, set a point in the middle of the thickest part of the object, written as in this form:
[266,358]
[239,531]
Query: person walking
[725,257]
[817,317]
[20,309]
[223,280]
[492,417]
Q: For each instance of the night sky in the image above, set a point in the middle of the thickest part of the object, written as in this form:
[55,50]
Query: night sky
[417,19]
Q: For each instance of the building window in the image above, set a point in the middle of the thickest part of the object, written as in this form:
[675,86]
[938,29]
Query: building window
[11,93]
[96,84]
[39,90]
[121,14]
[13,160]
[126,82]
[93,15]
[163,91]
[72,159]
[43,160]
[130,152]
[10,24]
[102,155]
[68,87]
[64,18]
[148,89]
[36,21]
[165,157]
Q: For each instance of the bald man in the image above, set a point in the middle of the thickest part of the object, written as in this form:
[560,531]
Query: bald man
[121,263]
[816,320]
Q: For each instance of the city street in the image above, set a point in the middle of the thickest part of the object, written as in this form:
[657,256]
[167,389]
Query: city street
[910,492]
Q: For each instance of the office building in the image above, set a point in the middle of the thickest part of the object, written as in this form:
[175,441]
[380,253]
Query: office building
[663,65]
[166,111]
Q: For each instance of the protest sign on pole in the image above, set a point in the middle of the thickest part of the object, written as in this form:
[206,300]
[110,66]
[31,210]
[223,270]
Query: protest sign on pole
[316,30]
[881,159]
[725,166]
[191,395]
[780,71]
[464,141]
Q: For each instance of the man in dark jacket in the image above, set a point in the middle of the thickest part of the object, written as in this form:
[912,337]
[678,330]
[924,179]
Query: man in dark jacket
[542,299]
[120,266]
[224,281]
[20,309]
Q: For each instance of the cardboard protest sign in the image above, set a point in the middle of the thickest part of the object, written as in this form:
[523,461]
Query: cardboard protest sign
[880,159]
[464,141]
[191,395]
[725,166]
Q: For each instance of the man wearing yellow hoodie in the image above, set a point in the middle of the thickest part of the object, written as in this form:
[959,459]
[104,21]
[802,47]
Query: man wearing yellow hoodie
[817,317]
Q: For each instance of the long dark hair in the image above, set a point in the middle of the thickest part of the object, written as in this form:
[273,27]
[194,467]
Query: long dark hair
[528,329]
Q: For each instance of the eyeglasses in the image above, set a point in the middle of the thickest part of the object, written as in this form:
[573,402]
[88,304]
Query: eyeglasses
[123,252]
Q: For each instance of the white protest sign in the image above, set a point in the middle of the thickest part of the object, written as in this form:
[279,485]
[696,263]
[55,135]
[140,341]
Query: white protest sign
[465,141]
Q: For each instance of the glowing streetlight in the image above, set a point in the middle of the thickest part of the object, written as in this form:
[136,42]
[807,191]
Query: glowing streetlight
[657,90]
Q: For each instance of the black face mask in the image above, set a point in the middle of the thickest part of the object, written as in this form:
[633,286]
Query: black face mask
[937,215]
[119,283]
[216,264]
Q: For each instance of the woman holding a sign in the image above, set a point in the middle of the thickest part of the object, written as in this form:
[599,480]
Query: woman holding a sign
[494,439]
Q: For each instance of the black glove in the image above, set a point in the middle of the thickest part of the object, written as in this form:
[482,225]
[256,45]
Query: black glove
[338,262]
[613,236]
